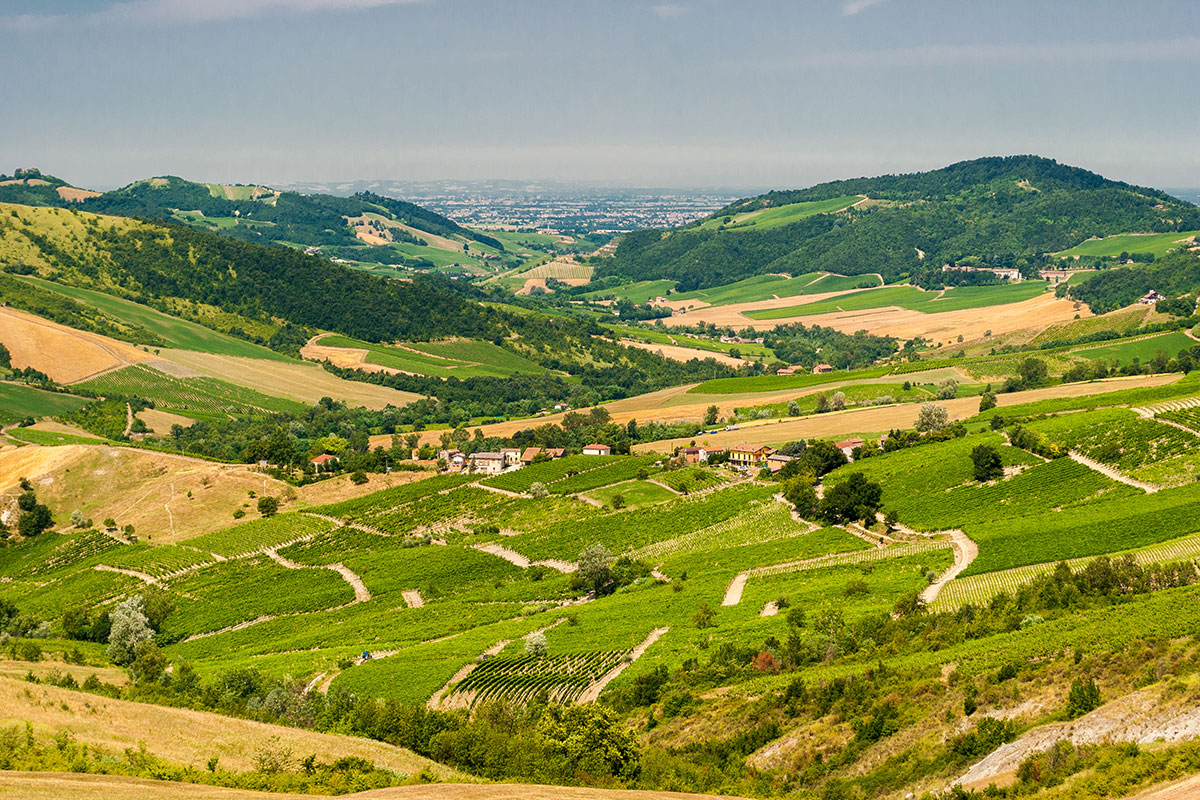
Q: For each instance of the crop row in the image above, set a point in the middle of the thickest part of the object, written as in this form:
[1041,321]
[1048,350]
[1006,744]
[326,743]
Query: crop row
[761,521]
[1188,417]
[520,678]
[900,550]
[547,472]
[361,507]
[61,555]
[157,561]
[980,589]
[689,478]
[435,510]
[1104,526]
[201,395]
[1119,437]
[615,472]
[257,534]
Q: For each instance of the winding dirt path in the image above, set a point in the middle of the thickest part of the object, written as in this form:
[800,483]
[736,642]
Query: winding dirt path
[733,593]
[592,693]
[141,576]
[965,551]
[465,670]
[516,559]
[128,420]
[361,593]
[1104,469]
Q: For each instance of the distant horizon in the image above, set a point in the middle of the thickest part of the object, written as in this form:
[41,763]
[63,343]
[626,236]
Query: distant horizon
[689,93]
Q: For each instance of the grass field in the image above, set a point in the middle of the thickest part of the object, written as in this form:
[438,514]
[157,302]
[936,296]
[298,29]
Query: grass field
[461,358]
[1142,350]
[18,401]
[1156,243]
[175,331]
[199,398]
[765,287]
[638,292]
[51,438]
[910,297]
[777,216]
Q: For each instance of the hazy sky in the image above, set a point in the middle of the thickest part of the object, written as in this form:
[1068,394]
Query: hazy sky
[690,93]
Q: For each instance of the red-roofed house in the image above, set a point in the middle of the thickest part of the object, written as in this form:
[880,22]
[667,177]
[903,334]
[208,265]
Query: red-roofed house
[597,449]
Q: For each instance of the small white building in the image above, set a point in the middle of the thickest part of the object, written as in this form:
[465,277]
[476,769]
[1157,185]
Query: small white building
[512,457]
[597,449]
[487,463]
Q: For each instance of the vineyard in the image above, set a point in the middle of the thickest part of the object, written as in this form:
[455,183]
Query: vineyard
[980,589]
[548,472]
[1121,439]
[200,398]
[522,679]
[623,470]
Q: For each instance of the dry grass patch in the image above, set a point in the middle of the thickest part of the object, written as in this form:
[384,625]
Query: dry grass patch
[306,383]
[183,736]
[63,353]
[677,353]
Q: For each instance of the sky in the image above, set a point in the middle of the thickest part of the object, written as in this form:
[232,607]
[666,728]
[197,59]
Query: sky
[694,93]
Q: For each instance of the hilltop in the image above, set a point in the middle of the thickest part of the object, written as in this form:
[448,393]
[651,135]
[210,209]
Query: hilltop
[1001,211]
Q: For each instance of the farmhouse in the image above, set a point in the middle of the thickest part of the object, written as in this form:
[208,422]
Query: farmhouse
[324,461]
[512,457]
[456,459]
[792,370]
[597,449]
[554,452]
[1150,298]
[487,463]
[821,369]
[750,455]
[695,455]
[529,454]
[775,461]
[847,446]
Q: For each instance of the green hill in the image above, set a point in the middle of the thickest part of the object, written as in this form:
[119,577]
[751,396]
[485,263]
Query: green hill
[1001,211]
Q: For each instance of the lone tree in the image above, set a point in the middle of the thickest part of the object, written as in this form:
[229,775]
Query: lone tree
[595,566]
[267,506]
[932,417]
[855,498]
[535,645]
[988,465]
[801,494]
[987,400]
[130,627]
[710,415]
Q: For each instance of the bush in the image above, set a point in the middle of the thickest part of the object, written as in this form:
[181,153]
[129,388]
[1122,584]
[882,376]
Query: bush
[536,645]
[358,477]
[1084,697]
[267,506]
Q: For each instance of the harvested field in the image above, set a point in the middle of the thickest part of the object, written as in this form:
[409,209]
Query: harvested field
[195,736]
[54,786]
[306,383]
[880,420]
[345,357]
[161,421]
[73,195]
[676,353]
[1037,312]
[65,354]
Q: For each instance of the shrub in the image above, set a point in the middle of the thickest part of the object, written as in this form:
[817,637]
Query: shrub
[536,645]
[358,477]
[1084,697]
[267,506]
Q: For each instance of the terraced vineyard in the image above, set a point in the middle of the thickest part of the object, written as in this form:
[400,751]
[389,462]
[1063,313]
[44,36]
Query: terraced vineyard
[980,589]
[201,398]
[522,679]
[1128,442]
[547,472]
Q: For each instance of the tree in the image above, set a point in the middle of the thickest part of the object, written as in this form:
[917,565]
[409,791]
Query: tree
[947,389]
[793,408]
[591,739]
[130,627]
[988,465]
[595,566]
[618,501]
[795,617]
[987,401]
[538,490]
[822,403]
[35,520]
[358,478]
[704,616]
[1084,697]
[932,417]
[1033,371]
[535,645]
[711,414]
[78,519]
[855,498]
[267,506]
[801,494]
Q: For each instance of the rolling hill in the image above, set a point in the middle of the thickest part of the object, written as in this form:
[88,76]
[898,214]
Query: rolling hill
[1005,211]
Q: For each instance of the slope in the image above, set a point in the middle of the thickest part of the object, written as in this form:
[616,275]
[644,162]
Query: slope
[1010,208]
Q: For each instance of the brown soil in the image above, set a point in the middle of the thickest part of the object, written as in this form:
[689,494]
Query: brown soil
[161,421]
[73,195]
[65,354]
[55,786]
[677,353]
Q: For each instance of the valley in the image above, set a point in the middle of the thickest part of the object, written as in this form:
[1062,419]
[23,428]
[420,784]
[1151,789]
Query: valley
[822,514]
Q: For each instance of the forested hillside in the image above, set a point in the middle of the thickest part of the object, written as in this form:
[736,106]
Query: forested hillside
[1177,274]
[1004,210]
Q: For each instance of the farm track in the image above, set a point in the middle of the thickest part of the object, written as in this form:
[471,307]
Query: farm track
[149,580]
[361,593]
[413,598]
[1178,425]
[1168,405]
[341,523]
[965,552]
[592,693]
[516,559]
[1103,469]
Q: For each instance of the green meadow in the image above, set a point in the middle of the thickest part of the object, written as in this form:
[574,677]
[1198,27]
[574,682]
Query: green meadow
[911,297]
